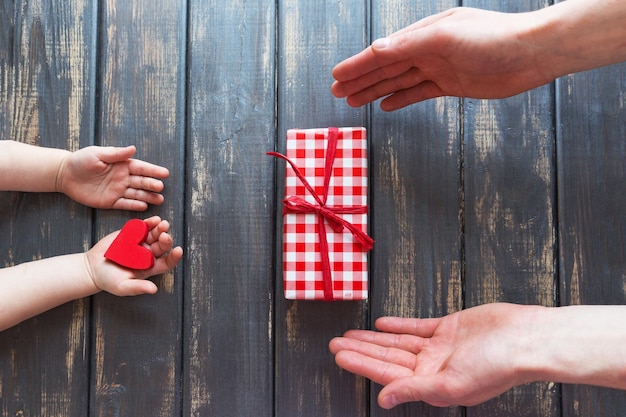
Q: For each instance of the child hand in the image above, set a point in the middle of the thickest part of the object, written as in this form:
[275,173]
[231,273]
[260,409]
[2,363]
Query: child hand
[107,178]
[121,281]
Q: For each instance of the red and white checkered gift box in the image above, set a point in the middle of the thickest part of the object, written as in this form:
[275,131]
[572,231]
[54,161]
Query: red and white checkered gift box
[341,220]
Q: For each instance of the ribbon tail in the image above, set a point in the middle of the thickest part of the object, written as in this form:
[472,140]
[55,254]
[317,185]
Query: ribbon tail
[335,220]
[299,174]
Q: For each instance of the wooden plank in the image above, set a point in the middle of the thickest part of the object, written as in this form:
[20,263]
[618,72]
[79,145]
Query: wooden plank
[230,209]
[46,99]
[137,341]
[313,37]
[592,229]
[509,230]
[416,201]
[509,215]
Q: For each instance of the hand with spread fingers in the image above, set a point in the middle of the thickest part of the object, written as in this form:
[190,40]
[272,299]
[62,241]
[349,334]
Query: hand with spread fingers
[96,176]
[108,177]
[99,177]
[471,356]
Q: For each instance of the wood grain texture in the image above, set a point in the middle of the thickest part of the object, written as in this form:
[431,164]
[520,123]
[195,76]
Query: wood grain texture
[592,229]
[137,348]
[416,202]
[312,37]
[510,213]
[46,99]
[471,202]
[509,227]
[230,210]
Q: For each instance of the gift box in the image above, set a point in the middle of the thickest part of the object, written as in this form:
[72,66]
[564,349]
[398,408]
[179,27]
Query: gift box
[325,241]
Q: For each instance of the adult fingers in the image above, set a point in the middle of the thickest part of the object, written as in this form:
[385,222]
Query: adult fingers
[382,53]
[347,88]
[395,356]
[398,46]
[423,91]
[406,342]
[379,371]
[417,327]
[408,79]
[430,389]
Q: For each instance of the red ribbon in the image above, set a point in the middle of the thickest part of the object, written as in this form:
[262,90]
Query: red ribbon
[296,204]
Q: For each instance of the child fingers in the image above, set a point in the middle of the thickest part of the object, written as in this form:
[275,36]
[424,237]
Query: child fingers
[141,196]
[162,245]
[146,169]
[132,287]
[167,263]
[157,228]
[138,182]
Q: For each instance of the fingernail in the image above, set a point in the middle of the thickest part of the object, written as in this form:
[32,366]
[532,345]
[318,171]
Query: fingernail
[389,401]
[381,43]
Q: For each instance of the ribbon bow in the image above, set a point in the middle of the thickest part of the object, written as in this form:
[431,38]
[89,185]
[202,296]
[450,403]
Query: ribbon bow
[330,214]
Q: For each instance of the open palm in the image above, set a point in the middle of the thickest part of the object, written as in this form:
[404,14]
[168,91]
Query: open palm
[107,177]
[460,359]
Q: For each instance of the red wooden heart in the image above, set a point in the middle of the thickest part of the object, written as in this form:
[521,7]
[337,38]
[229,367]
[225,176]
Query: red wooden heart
[127,249]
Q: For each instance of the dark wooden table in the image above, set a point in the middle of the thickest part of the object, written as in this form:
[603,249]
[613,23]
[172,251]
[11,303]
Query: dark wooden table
[472,201]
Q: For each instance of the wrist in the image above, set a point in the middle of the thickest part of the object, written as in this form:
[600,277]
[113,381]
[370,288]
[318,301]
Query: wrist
[539,353]
[577,345]
[89,274]
[531,333]
[577,35]
[60,172]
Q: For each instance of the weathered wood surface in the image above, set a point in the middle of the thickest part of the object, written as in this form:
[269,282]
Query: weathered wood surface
[591,155]
[307,49]
[229,210]
[471,202]
[141,101]
[47,95]
[509,214]
[416,203]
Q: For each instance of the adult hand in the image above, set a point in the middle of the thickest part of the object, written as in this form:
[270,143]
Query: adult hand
[461,359]
[462,52]
[107,177]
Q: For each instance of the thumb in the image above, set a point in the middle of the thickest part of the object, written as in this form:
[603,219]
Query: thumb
[396,48]
[388,50]
[132,287]
[382,44]
[112,154]
[412,388]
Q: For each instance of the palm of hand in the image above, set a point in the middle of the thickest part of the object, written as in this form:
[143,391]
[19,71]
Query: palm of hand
[117,280]
[113,278]
[108,178]
[99,184]
[458,359]
[467,358]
